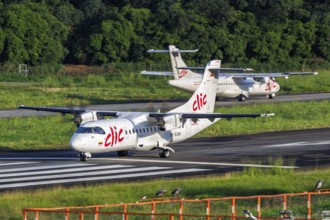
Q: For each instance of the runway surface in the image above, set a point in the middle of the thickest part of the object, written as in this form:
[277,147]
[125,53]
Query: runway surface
[300,150]
[165,105]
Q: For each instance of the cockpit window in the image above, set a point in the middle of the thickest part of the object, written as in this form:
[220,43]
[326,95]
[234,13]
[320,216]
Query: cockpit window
[90,130]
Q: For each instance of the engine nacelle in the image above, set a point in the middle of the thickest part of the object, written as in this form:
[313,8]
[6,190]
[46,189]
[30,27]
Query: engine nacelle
[261,79]
[169,122]
[87,117]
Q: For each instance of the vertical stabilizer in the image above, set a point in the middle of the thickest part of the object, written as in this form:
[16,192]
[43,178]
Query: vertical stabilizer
[177,61]
[203,100]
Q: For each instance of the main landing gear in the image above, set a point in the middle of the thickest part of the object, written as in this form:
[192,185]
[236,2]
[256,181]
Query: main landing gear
[164,153]
[270,96]
[122,153]
[241,98]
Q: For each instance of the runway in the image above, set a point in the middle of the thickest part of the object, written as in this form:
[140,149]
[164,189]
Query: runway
[164,105]
[307,149]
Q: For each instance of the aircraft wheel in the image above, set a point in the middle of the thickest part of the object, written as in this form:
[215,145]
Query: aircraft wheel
[270,96]
[164,153]
[82,157]
[122,153]
[241,98]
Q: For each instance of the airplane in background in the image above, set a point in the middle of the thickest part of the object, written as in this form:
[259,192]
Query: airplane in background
[230,85]
[145,131]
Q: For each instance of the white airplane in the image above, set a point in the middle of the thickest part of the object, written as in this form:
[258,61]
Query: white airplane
[230,85]
[145,131]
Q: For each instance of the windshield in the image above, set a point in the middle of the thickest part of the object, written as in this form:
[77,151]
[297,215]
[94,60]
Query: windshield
[91,130]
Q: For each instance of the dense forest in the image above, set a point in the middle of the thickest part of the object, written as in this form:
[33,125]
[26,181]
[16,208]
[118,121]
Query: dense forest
[98,32]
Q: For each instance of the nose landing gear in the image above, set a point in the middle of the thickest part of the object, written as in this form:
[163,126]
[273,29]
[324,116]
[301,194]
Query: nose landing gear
[83,156]
[164,153]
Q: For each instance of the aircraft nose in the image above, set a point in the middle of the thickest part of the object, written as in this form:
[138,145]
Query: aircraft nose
[76,143]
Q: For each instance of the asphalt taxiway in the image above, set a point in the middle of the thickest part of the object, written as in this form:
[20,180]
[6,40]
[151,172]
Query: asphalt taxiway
[164,105]
[305,149]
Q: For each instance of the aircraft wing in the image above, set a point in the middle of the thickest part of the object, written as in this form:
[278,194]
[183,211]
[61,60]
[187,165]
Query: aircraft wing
[251,75]
[208,115]
[261,75]
[219,115]
[66,110]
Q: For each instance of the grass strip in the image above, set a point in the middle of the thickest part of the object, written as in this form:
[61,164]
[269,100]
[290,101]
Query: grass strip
[54,132]
[60,90]
[252,181]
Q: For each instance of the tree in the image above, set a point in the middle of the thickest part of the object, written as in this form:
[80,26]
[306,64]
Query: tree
[32,35]
[109,41]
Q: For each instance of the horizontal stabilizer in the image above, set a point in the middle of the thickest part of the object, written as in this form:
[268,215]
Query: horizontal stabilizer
[175,50]
[216,69]
[158,73]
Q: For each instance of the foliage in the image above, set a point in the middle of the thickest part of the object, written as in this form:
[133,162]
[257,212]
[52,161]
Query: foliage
[30,34]
[102,32]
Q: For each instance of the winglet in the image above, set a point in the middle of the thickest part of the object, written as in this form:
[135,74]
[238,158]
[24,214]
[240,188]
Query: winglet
[267,115]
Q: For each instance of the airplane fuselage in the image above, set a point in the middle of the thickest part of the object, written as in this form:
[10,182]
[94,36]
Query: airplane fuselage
[229,87]
[131,131]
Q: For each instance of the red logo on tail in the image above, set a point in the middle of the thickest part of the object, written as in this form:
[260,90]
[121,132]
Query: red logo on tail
[199,102]
[271,85]
[182,73]
[114,137]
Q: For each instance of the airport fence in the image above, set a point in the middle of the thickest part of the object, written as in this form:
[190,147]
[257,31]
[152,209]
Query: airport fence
[307,205]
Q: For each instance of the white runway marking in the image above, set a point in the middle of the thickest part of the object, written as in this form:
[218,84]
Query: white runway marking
[298,144]
[44,167]
[201,163]
[71,175]
[17,163]
[38,158]
[48,173]
[57,171]
[122,176]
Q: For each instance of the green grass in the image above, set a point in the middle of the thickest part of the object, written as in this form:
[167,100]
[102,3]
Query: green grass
[57,90]
[251,182]
[288,116]
[305,84]
[54,132]
[60,90]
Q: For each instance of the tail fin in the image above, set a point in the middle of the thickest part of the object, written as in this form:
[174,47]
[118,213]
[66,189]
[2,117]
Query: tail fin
[203,100]
[177,61]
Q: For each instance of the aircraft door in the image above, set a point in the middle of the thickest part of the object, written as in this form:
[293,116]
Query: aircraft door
[188,128]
